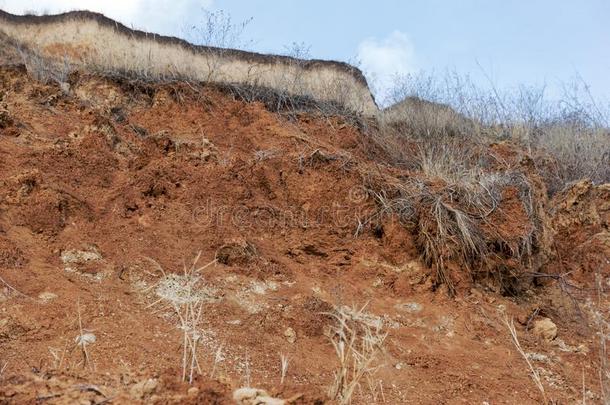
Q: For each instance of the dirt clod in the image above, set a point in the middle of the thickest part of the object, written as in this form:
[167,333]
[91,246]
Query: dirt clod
[545,329]
[144,388]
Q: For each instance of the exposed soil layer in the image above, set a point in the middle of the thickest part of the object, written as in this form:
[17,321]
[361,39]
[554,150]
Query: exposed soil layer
[111,185]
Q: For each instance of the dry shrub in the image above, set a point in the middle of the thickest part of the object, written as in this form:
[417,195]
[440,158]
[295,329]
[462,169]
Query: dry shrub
[569,136]
[567,154]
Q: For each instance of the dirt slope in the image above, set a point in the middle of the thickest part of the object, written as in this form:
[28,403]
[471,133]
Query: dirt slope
[105,184]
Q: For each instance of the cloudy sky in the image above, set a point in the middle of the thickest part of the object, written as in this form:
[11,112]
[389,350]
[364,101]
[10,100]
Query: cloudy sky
[509,42]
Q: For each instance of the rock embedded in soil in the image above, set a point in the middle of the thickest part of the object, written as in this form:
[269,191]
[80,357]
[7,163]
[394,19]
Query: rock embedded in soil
[144,388]
[80,256]
[254,396]
[291,335]
[236,252]
[545,329]
[85,339]
[411,307]
[47,296]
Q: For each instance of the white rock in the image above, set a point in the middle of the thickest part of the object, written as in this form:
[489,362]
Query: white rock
[85,339]
[255,396]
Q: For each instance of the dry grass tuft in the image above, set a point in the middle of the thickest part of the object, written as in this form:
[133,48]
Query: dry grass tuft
[45,70]
[445,161]
[454,219]
[185,294]
[357,342]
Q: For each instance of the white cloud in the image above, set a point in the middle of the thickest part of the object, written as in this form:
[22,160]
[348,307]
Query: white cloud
[159,16]
[382,59]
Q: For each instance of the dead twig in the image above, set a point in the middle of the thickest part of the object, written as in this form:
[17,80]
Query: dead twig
[534,374]
[3,369]
[10,287]
[283,367]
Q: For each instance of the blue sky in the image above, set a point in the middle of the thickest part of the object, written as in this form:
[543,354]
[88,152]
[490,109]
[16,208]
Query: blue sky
[513,42]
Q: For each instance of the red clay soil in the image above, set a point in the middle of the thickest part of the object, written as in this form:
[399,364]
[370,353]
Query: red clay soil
[101,186]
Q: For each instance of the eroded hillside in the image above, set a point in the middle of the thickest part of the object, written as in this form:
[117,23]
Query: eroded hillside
[110,189]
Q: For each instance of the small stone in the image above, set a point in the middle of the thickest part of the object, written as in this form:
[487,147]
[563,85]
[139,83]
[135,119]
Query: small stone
[291,335]
[144,388]
[85,339]
[545,329]
[254,396]
[47,296]
[80,256]
[192,392]
[543,358]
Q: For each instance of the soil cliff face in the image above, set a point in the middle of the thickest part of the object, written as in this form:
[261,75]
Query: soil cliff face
[110,189]
[581,219]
